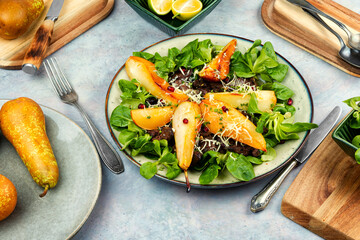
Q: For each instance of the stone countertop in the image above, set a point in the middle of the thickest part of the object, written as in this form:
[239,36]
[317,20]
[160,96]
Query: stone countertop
[131,207]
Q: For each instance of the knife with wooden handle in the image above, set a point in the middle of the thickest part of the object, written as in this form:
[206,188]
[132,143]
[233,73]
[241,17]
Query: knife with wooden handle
[41,41]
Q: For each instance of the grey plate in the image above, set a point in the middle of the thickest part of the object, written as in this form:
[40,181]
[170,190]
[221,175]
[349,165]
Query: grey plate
[65,208]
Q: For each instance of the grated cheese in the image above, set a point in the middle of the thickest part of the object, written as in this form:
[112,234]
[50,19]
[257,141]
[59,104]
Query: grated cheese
[200,150]
[237,85]
[208,143]
[194,95]
[158,104]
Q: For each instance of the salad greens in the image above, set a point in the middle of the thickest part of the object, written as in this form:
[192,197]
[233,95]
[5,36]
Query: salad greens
[194,54]
[276,126]
[259,63]
[135,138]
[279,122]
[212,163]
[132,93]
[356,141]
[355,123]
[281,91]
[166,158]
[357,156]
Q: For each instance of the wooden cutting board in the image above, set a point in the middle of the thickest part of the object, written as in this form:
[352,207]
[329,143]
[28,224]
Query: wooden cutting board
[325,195]
[76,17]
[294,25]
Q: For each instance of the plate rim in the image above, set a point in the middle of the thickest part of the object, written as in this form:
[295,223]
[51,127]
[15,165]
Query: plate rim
[211,186]
[99,183]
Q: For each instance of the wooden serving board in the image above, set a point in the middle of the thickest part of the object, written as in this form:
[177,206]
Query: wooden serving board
[76,17]
[325,195]
[294,25]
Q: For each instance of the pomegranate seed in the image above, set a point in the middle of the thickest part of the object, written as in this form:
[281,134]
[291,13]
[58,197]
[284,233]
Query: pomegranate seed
[205,129]
[225,109]
[171,89]
[141,106]
[290,101]
[185,120]
[226,80]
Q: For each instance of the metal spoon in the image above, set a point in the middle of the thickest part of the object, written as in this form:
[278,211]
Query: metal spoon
[353,39]
[349,55]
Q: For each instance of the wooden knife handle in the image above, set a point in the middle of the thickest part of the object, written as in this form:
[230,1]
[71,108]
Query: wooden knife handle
[38,46]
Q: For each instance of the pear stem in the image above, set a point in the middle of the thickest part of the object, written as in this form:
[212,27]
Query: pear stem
[188,187]
[45,191]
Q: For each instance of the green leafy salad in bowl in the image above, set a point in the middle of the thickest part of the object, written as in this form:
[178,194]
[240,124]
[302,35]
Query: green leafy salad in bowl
[347,133]
[208,113]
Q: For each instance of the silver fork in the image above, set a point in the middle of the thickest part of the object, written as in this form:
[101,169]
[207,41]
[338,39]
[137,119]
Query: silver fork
[68,95]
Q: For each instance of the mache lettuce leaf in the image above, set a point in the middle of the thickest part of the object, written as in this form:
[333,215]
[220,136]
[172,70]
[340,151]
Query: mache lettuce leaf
[194,54]
[276,124]
[261,64]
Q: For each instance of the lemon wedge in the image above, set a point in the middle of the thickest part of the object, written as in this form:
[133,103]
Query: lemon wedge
[186,9]
[160,7]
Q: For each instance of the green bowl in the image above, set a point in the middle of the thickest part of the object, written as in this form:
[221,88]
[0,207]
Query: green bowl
[344,134]
[165,23]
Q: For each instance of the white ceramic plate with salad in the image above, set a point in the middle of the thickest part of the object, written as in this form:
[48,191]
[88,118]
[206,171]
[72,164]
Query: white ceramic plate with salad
[301,105]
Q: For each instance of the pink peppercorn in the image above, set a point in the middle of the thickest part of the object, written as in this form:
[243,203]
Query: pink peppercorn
[141,106]
[185,120]
[290,101]
[171,89]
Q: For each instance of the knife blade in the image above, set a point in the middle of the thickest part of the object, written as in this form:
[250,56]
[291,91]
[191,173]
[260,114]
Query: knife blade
[38,46]
[262,199]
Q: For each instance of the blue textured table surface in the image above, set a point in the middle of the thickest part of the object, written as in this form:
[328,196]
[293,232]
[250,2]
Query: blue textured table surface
[130,207]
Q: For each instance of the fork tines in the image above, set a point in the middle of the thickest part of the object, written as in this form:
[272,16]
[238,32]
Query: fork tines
[58,80]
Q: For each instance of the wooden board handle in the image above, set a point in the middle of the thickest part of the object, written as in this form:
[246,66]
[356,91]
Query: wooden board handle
[38,46]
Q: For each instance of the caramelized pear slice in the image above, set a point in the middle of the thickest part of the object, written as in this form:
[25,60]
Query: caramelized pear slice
[266,99]
[177,93]
[186,123]
[218,68]
[224,120]
[152,118]
[137,70]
